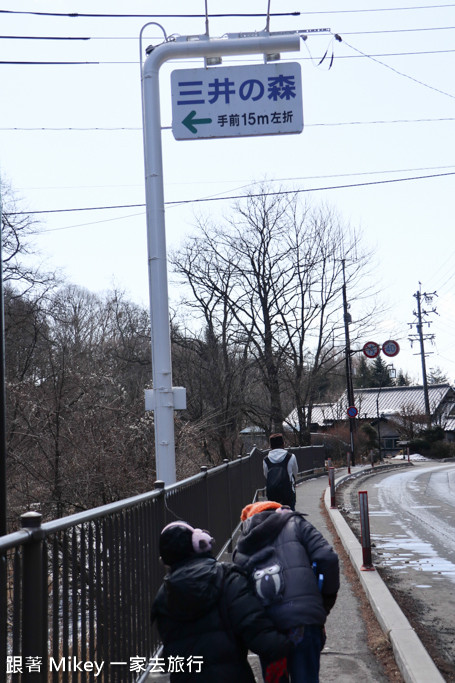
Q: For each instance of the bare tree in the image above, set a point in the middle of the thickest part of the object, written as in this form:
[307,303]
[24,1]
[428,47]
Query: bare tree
[409,422]
[18,228]
[269,281]
[437,376]
[214,375]
[78,435]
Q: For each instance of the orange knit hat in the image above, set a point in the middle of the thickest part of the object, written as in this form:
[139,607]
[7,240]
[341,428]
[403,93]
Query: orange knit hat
[253,508]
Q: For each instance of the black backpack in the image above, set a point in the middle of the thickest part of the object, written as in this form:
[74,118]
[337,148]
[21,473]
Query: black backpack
[279,485]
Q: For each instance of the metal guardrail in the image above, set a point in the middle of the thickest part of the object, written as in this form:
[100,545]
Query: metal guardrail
[77,591]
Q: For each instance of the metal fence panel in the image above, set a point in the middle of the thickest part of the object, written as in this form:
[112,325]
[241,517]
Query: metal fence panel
[78,590]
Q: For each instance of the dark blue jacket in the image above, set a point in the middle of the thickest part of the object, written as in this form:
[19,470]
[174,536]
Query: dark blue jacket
[207,609]
[278,549]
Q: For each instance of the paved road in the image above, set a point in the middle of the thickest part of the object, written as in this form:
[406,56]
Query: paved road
[412,526]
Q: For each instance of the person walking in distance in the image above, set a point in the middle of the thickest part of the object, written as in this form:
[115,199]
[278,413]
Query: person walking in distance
[280,471]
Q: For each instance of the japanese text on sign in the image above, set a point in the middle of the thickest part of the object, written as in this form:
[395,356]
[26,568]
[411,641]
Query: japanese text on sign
[234,101]
[277,88]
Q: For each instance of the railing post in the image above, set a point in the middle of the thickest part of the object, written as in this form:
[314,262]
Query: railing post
[33,599]
[3,615]
[204,470]
[250,479]
[159,485]
[365,532]
[231,523]
[332,487]
[243,495]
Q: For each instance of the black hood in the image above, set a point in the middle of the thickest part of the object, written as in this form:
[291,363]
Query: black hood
[192,588]
[261,529]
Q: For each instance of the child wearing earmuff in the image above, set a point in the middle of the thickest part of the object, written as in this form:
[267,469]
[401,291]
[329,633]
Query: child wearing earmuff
[207,614]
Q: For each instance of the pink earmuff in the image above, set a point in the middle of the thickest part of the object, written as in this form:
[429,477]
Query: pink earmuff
[200,539]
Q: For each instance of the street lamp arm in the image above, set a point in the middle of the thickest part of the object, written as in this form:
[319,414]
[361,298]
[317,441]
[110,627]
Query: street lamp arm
[203,46]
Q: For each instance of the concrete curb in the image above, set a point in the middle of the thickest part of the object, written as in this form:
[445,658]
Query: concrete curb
[413,660]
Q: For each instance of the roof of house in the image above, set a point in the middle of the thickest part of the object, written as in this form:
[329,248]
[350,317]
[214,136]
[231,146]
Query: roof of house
[392,400]
[385,401]
[252,429]
[449,424]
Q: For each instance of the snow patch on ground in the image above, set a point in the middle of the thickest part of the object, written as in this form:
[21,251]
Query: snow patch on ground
[413,457]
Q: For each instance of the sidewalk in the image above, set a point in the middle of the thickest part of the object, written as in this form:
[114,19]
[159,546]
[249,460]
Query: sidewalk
[346,657]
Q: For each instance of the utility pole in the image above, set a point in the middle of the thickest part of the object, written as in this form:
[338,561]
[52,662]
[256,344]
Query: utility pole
[349,385]
[3,504]
[3,488]
[421,338]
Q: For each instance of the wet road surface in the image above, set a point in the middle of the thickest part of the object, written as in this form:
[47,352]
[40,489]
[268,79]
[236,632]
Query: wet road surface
[412,529]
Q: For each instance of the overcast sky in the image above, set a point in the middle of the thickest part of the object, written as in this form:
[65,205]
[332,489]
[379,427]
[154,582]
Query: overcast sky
[377,145]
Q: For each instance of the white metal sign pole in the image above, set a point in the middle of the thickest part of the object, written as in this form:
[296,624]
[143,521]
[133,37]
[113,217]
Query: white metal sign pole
[162,400]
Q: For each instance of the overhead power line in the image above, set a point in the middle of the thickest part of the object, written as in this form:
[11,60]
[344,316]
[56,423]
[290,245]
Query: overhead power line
[399,30]
[400,73]
[251,183]
[345,33]
[246,183]
[22,63]
[236,197]
[79,129]
[216,16]
[76,15]
[368,123]
[380,9]
[44,38]
[361,55]
[391,54]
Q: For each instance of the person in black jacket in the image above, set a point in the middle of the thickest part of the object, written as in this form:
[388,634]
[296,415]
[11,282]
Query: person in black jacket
[207,614]
[295,572]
